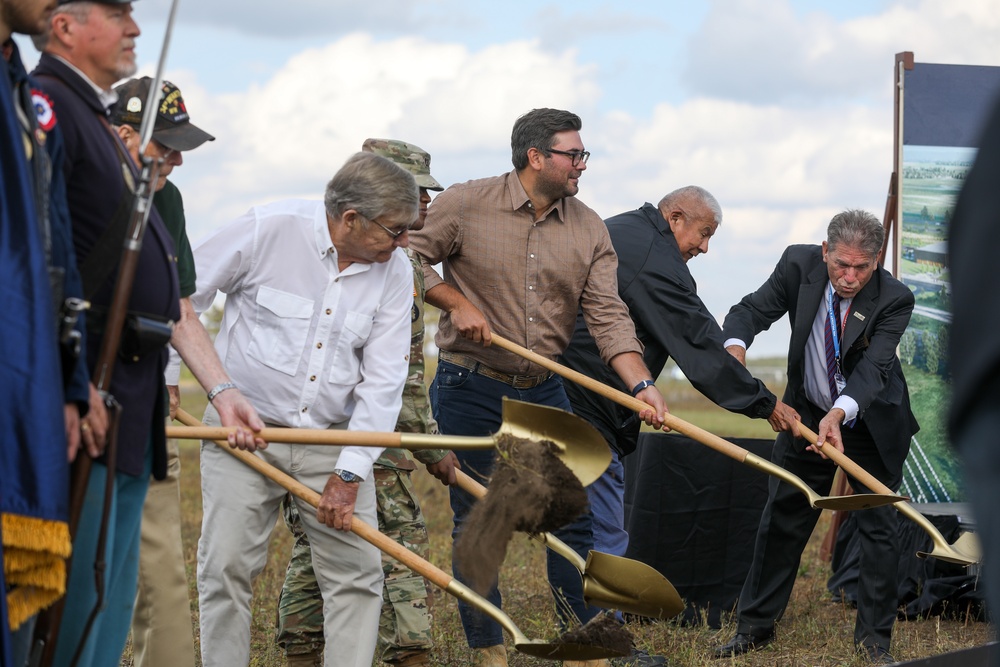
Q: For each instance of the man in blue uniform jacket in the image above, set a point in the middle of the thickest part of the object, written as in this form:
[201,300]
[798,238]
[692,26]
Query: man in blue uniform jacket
[89,46]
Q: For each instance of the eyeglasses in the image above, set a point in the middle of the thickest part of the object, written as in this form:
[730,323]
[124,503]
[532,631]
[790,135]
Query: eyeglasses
[576,156]
[394,234]
[164,152]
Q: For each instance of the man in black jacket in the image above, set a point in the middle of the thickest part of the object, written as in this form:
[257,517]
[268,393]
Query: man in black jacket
[847,314]
[654,244]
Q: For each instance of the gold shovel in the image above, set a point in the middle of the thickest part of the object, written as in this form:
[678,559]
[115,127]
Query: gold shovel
[854,502]
[609,581]
[533,647]
[578,444]
[965,550]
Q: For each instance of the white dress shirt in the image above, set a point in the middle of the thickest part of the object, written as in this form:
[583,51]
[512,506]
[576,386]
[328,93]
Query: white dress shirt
[310,346]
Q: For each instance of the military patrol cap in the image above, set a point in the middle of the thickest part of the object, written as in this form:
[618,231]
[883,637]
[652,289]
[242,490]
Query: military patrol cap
[413,159]
[173,127]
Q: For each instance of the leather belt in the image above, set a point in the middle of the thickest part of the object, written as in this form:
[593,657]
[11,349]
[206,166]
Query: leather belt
[470,364]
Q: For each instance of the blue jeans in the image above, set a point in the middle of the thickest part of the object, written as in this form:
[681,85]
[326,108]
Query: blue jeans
[607,502]
[106,639]
[466,403]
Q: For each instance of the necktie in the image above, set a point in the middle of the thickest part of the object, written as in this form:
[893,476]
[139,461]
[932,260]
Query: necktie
[831,354]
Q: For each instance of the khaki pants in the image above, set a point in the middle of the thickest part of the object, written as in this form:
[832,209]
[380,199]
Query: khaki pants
[161,622]
[240,509]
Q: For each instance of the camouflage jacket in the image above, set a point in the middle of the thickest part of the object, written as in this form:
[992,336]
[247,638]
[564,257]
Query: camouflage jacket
[415,415]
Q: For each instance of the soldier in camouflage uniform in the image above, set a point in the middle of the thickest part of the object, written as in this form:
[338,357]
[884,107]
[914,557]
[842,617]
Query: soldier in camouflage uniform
[405,623]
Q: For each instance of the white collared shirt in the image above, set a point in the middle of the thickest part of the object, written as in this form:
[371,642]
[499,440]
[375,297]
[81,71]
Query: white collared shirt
[310,346]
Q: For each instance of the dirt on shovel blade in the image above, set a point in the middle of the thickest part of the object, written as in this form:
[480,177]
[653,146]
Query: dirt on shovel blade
[602,630]
[531,490]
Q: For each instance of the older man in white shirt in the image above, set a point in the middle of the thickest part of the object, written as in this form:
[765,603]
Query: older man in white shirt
[315,332]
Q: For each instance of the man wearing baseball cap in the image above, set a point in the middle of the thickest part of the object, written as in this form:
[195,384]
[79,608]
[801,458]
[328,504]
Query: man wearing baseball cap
[405,622]
[161,622]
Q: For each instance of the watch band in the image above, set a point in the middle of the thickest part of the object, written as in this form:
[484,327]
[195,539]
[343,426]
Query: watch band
[219,388]
[347,476]
[642,385]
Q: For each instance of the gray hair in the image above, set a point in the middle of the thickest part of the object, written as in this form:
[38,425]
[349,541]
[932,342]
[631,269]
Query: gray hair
[537,129]
[858,229]
[696,194]
[79,10]
[374,187]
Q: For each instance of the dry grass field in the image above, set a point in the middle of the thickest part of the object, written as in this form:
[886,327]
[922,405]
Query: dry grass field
[815,632]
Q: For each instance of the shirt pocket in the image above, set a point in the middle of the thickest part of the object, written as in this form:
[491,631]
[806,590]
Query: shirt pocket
[346,366]
[280,332]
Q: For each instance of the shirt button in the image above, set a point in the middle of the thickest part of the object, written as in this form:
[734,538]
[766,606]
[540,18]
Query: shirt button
[305,409]
[532,255]
[319,346]
[328,311]
[531,287]
[531,319]
[312,378]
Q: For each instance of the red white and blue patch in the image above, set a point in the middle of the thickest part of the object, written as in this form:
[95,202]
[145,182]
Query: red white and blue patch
[43,108]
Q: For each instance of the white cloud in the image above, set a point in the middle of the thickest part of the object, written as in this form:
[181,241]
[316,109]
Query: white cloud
[766,52]
[287,136]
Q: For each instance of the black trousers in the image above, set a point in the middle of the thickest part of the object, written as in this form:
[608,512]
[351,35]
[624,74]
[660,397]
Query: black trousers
[788,521]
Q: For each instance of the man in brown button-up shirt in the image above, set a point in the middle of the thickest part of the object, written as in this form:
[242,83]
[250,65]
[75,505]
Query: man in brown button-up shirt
[520,256]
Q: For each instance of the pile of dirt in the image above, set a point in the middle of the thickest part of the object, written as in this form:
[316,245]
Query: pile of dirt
[603,630]
[531,490]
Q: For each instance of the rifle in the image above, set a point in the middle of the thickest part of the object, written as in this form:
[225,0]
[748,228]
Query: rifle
[47,628]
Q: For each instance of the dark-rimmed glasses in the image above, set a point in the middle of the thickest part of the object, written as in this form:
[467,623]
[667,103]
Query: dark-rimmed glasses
[394,235]
[576,156]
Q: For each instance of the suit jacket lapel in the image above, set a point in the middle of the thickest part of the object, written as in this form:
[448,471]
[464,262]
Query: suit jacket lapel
[808,302]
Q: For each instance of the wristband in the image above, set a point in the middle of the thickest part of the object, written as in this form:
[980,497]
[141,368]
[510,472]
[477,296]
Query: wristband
[642,385]
[219,388]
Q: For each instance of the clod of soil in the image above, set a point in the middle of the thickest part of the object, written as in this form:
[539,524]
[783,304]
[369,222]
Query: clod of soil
[531,490]
[603,630]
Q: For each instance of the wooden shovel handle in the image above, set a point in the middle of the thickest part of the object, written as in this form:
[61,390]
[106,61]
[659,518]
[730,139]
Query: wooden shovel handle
[675,423]
[434,574]
[301,436]
[845,462]
[469,485]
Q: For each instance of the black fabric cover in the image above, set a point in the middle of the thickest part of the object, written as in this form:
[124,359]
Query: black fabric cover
[692,514]
[927,586]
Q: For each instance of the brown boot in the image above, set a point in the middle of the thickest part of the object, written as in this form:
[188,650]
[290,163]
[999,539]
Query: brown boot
[312,659]
[420,659]
[491,656]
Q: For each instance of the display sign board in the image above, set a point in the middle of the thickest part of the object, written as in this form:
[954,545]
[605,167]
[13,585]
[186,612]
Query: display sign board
[944,109]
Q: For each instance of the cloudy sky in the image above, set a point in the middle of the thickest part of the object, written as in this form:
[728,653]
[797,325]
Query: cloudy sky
[781,108]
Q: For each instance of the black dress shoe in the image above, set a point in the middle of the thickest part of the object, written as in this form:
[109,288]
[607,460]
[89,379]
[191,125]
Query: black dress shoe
[743,643]
[877,655]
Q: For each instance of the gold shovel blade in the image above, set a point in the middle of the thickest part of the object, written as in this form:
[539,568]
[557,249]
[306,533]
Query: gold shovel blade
[558,651]
[580,446]
[629,585]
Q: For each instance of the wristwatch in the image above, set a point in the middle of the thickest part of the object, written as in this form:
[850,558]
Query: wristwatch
[347,476]
[642,385]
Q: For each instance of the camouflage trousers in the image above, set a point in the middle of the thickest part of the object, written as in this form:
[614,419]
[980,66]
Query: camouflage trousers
[405,622]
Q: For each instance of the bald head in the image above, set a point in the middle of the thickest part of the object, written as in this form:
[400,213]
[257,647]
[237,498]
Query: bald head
[694,215]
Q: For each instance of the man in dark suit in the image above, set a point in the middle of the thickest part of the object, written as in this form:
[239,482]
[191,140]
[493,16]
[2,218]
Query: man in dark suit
[844,378]
[974,418]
